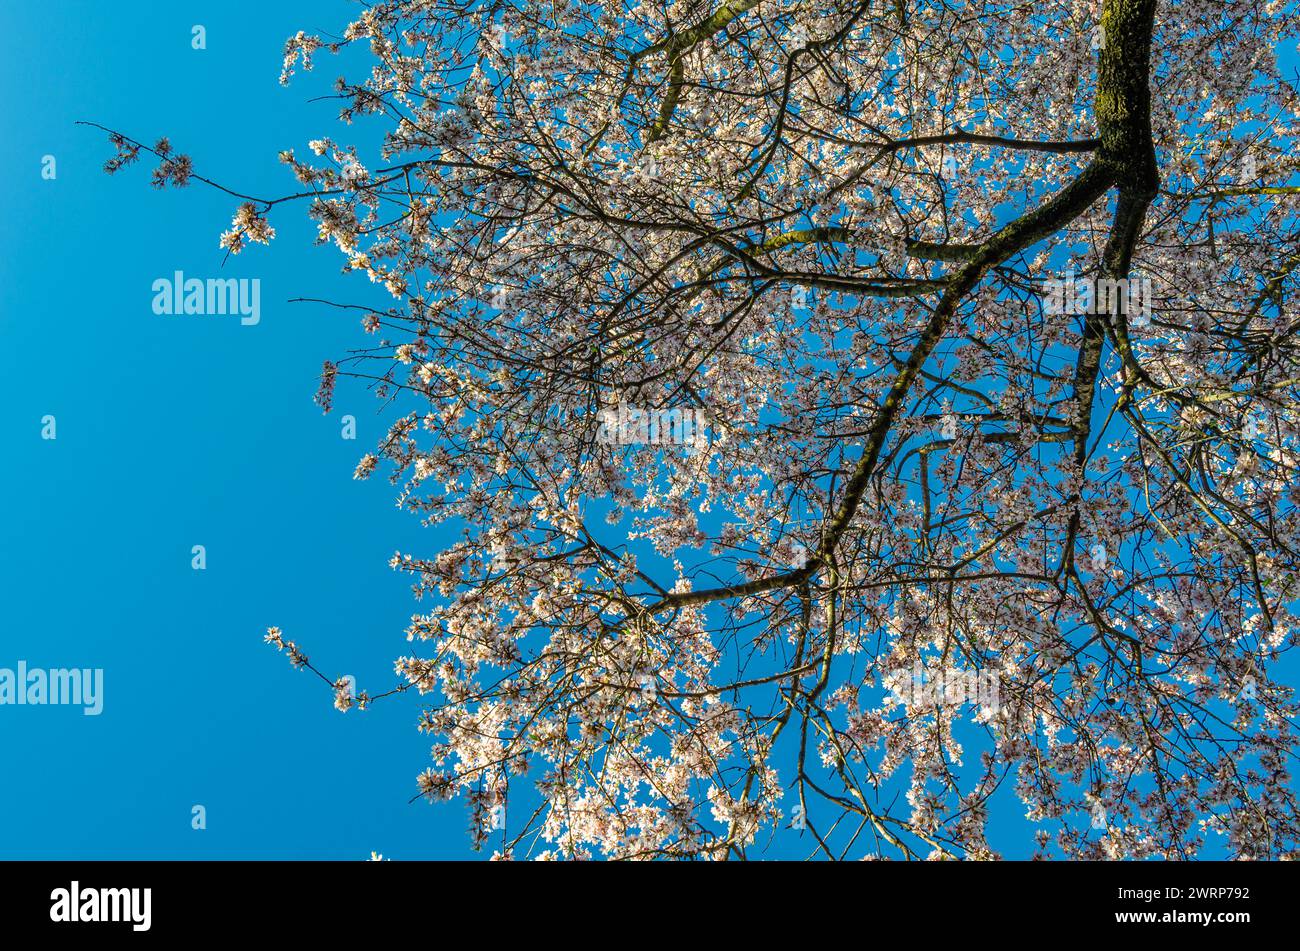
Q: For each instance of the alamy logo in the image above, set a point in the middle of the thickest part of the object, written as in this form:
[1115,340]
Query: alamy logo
[628,425]
[181,295]
[96,905]
[60,686]
[945,687]
[1129,296]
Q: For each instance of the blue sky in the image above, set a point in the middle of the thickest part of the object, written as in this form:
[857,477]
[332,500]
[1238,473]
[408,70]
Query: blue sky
[179,431]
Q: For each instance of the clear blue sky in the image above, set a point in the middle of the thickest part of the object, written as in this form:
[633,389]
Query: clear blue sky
[174,432]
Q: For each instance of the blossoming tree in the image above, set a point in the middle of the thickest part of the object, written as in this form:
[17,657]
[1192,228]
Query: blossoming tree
[825,227]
